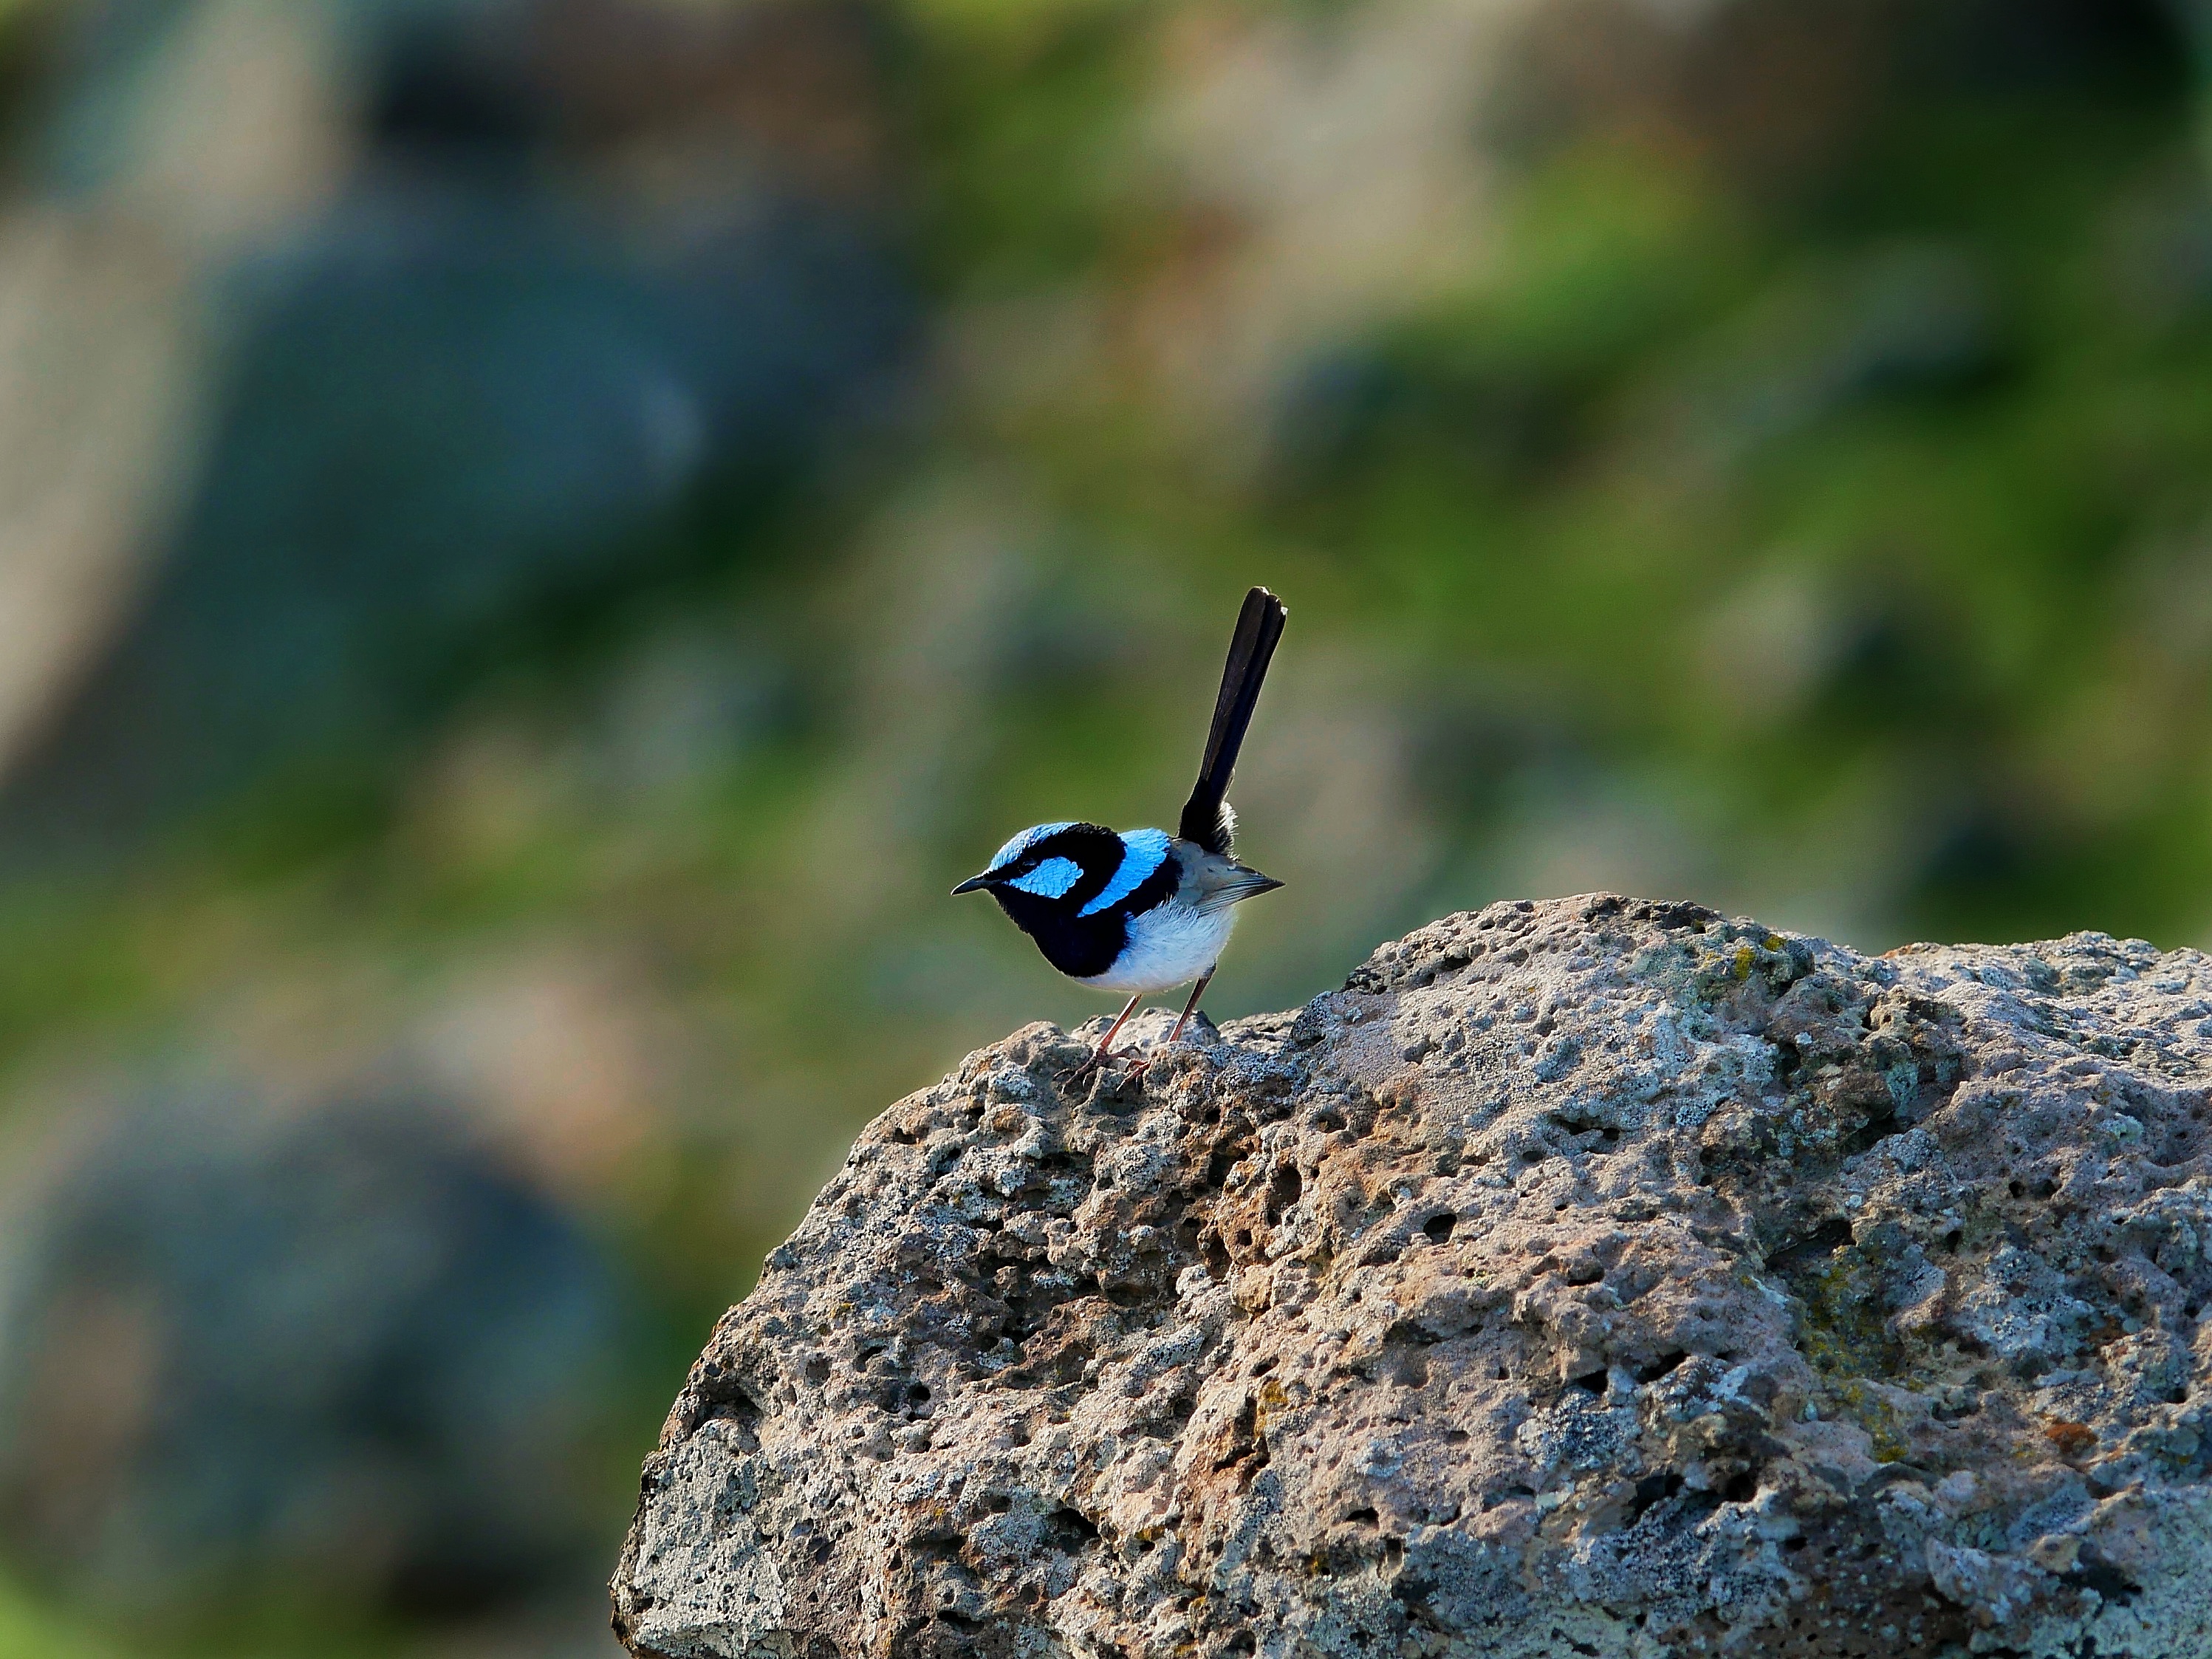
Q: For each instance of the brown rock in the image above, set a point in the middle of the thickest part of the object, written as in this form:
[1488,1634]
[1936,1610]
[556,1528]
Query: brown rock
[1594,1277]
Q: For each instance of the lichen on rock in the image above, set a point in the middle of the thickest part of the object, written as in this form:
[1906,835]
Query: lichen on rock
[1589,1278]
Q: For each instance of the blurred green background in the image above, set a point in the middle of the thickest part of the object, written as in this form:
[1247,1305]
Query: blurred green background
[538,537]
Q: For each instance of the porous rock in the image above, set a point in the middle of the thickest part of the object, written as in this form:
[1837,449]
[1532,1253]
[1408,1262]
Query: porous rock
[1586,1278]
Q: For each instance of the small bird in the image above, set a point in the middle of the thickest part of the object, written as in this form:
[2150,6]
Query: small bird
[1143,911]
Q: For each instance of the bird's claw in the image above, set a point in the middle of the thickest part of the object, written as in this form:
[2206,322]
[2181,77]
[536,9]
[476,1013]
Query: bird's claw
[1088,1067]
[1134,1064]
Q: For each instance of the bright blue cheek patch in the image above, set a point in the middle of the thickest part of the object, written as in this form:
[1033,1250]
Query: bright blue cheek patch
[1143,852]
[1051,879]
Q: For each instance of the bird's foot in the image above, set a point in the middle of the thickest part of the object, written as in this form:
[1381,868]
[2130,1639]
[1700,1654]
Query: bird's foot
[1089,1066]
[1139,1065]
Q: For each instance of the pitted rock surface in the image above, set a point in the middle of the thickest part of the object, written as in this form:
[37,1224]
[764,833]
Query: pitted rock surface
[1591,1278]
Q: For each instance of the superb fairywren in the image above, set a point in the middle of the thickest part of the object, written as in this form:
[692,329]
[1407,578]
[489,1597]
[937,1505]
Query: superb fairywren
[1142,910]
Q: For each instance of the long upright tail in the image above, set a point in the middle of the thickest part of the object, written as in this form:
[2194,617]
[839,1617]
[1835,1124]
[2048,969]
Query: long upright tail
[1206,818]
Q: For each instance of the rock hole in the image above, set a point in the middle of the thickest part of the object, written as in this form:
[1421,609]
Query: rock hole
[1243,1642]
[1650,1492]
[1874,1131]
[1329,1123]
[1590,1381]
[1439,1227]
[1364,1517]
[1951,1240]
[1532,1155]
[1659,1367]
[1070,1530]
[1953,1410]
[2016,1189]
[1456,1438]
[1283,1190]
[1740,1488]
[817,1371]
[2094,1572]
[1821,1242]
[1214,1253]
[741,1410]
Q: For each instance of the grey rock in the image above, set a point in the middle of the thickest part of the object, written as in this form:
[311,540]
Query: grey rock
[1594,1277]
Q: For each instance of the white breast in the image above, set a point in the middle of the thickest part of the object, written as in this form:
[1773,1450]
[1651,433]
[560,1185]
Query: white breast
[1169,944]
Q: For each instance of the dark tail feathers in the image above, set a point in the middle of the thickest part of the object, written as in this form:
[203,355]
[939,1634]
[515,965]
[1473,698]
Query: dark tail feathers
[1206,818]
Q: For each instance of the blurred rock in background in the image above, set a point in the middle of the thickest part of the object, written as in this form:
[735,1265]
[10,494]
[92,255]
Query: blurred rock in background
[126,200]
[340,1360]
[581,259]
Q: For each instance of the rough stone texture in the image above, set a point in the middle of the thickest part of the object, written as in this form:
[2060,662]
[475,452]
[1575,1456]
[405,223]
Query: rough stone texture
[1594,1278]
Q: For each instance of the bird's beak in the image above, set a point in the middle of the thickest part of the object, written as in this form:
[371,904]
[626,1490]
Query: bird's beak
[1244,882]
[974,883]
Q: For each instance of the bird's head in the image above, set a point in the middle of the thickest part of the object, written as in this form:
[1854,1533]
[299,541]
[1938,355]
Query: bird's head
[1078,869]
[1045,861]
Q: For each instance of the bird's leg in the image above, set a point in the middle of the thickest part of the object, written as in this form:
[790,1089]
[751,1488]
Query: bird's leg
[1106,1043]
[1190,1007]
[1103,1051]
[1139,1066]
